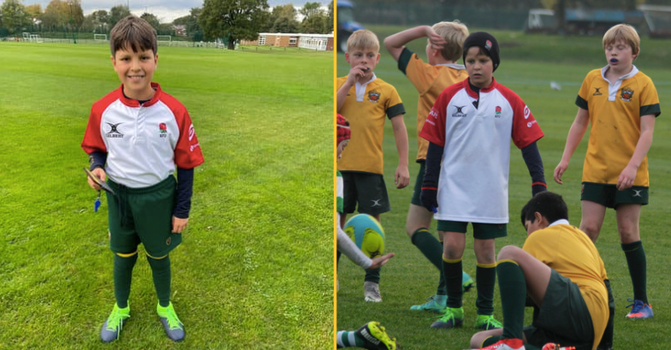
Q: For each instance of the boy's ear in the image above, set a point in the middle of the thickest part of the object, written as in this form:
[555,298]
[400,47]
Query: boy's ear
[541,220]
[347,57]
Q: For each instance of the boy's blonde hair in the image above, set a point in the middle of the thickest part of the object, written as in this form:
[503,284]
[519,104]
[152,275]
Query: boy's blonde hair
[363,39]
[134,33]
[625,33]
[454,33]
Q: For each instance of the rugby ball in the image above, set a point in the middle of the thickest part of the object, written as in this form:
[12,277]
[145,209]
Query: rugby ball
[367,234]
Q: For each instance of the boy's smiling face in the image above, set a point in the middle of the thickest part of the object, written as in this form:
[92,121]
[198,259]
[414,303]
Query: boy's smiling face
[135,71]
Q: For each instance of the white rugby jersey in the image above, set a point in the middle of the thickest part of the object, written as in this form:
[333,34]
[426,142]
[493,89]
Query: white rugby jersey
[143,142]
[473,183]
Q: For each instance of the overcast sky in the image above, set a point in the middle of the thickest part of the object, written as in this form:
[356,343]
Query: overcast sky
[165,10]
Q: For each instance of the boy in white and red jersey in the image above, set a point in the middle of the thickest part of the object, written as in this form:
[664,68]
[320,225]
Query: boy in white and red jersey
[443,51]
[621,104]
[136,136]
[469,129]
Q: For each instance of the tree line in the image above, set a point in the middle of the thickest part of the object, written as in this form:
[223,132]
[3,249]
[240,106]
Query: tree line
[230,20]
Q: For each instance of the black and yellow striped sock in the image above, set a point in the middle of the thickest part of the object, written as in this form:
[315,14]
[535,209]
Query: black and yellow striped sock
[123,274]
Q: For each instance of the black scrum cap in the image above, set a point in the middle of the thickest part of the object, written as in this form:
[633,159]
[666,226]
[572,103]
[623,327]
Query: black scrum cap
[487,43]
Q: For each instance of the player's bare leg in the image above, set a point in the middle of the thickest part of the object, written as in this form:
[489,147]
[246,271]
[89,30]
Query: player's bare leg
[628,227]
[628,216]
[418,217]
[592,219]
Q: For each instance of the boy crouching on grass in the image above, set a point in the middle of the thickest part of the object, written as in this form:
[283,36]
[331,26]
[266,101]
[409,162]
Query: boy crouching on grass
[136,136]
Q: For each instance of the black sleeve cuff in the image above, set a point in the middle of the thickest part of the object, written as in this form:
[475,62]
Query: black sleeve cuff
[395,110]
[581,102]
[97,159]
[184,193]
[404,59]
[651,109]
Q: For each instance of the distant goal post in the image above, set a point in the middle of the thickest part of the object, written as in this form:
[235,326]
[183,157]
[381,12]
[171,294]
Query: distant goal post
[100,37]
[164,39]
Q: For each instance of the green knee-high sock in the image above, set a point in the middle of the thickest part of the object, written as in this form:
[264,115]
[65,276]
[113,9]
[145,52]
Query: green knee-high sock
[485,281]
[349,339]
[373,275]
[637,269]
[123,273]
[513,289]
[452,270]
[433,251]
[160,269]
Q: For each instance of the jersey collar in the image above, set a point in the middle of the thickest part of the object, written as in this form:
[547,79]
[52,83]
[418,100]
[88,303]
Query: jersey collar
[560,222]
[633,72]
[453,65]
[135,103]
[475,94]
[361,88]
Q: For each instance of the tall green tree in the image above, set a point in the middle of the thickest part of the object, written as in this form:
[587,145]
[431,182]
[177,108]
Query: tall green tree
[193,29]
[152,20]
[55,15]
[117,13]
[233,19]
[14,16]
[283,19]
[329,19]
[75,14]
[314,18]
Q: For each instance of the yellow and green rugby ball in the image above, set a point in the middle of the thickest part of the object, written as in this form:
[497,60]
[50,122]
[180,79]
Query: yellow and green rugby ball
[367,234]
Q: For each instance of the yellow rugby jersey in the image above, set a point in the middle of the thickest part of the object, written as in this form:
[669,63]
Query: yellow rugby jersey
[570,252]
[615,112]
[429,81]
[366,110]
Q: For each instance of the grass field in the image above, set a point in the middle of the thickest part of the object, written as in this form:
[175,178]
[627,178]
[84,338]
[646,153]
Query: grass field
[254,270]
[528,64]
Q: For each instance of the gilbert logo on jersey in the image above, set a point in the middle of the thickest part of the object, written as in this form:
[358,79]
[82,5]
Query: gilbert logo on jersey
[114,131]
[459,113]
[626,94]
[373,96]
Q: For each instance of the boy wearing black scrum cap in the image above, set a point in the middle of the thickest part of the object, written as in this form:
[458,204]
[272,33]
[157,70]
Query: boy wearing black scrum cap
[469,129]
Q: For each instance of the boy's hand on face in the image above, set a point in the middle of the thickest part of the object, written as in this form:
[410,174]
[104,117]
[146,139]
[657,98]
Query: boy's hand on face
[402,177]
[178,225]
[100,173]
[357,72]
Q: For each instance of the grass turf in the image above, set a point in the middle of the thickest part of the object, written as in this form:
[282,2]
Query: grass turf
[528,64]
[250,273]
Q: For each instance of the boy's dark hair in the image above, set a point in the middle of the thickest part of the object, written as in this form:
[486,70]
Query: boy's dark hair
[134,33]
[548,204]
